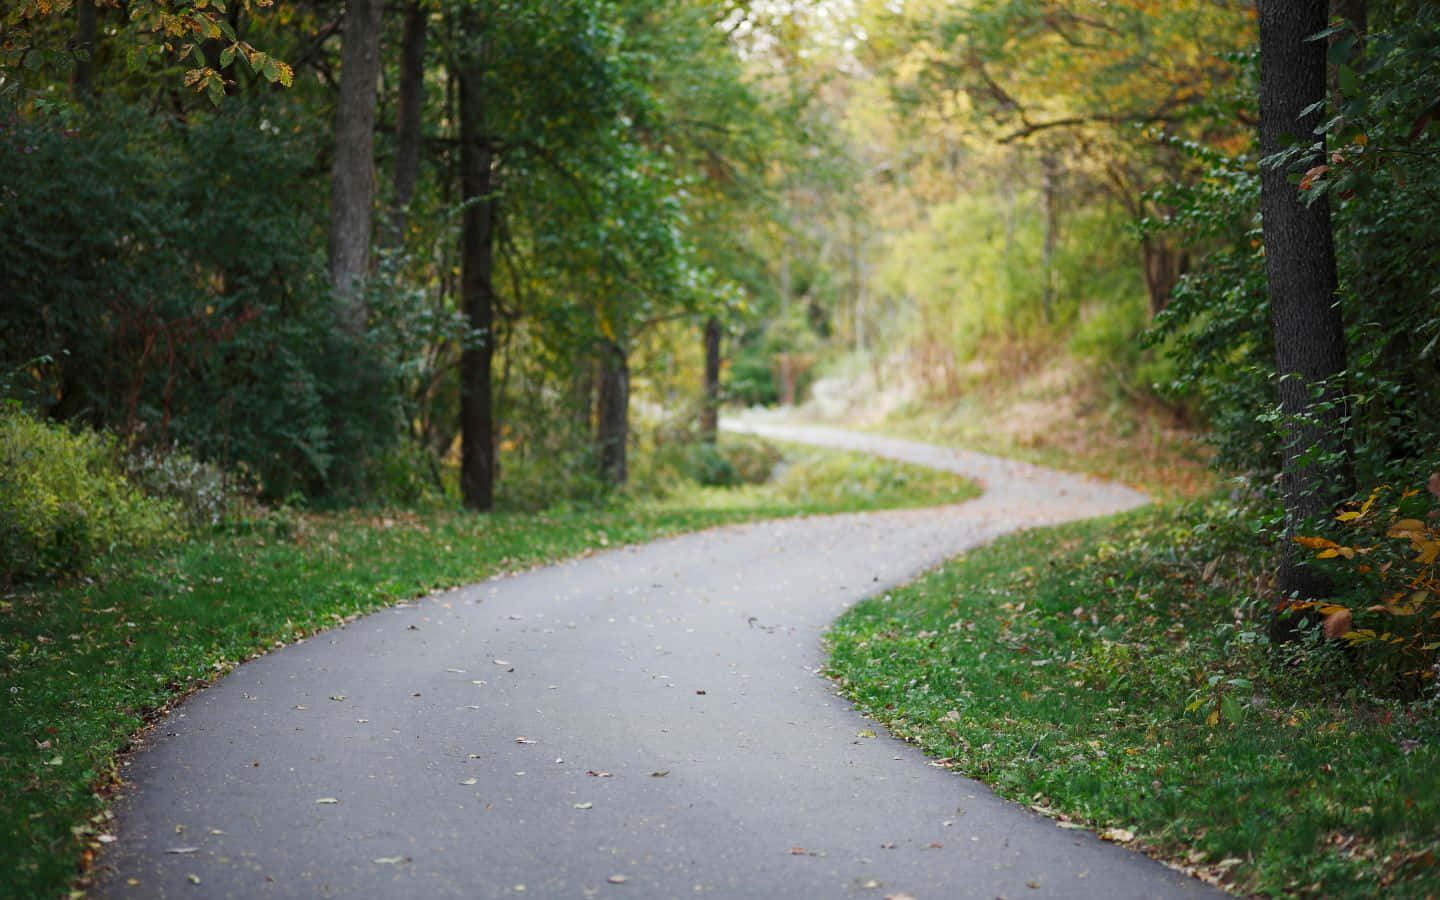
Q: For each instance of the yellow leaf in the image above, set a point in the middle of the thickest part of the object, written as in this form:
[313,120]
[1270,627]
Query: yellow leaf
[1404,528]
[1429,550]
[1214,718]
[1316,543]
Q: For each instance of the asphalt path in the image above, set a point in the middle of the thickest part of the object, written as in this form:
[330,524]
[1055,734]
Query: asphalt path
[644,722]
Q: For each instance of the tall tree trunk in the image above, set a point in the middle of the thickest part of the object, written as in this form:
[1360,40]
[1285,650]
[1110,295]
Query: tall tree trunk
[408,134]
[1304,307]
[710,402]
[81,83]
[477,264]
[353,176]
[613,418]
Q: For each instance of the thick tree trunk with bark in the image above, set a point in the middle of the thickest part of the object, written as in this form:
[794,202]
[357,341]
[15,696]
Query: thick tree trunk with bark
[1300,270]
[613,417]
[353,176]
[81,81]
[477,263]
[408,123]
[710,402]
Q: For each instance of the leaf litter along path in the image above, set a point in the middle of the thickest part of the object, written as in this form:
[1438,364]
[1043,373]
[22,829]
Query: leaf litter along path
[644,722]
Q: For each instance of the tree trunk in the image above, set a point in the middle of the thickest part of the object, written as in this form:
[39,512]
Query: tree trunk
[81,84]
[710,402]
[1050,190]
[477,264]
[613,423]
[353,176]
[1304,307]
[408,134]
[1163,266]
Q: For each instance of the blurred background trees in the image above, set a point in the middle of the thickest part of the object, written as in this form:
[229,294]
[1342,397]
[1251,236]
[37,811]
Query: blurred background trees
[587,222]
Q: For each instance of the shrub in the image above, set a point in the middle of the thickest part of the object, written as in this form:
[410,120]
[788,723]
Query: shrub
[1387,565]
[64,502]
[201,491]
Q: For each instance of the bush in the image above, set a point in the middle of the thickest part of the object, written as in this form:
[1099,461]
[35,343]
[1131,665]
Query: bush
[64,502]
[201,491]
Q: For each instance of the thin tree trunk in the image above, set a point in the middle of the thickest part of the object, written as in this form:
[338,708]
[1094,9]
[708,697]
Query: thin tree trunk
[82,84]
[1163,265]
[353,176]
[710,403]
[477,263]
[1304,306]
[1050,190]
[613,419]
[408,134]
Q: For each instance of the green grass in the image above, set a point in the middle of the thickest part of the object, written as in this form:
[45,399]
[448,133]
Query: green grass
[83,666]
[1105,673]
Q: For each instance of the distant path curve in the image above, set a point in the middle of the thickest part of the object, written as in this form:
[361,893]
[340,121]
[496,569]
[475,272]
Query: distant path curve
[644,722]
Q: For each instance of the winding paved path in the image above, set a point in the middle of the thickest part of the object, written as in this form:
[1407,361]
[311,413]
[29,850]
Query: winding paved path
[645,722]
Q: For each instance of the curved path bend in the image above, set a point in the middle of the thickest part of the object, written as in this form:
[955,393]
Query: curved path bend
[644,722]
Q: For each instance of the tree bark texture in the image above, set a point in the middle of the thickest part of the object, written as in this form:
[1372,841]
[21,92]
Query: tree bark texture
[1300,271]
[81,83]
[613,418]
[477,263]
[352,185]
[408,127]
[710,402]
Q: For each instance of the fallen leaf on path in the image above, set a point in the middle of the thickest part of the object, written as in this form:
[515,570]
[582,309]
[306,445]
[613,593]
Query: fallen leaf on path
[1033,885]
[456,671]
[178,850]
[898,897]
[501,662]
[870,885]
[193,878]
[596,774]
[584,805]
[1118,835]
[469,781]
[934,845]
[390,860]
[888,845]
[327,800]
[865,733]
[526,740]
[337,696]
[617,879]
[106,838]
[660,774]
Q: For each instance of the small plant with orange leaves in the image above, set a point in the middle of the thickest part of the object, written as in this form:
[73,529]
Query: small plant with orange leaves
[1388,602]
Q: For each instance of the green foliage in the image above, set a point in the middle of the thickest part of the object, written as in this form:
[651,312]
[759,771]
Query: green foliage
[1381,181]
[65,503]
[175,284]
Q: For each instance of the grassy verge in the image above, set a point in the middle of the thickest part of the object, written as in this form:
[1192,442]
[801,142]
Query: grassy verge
[82,666]
[1105,673]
